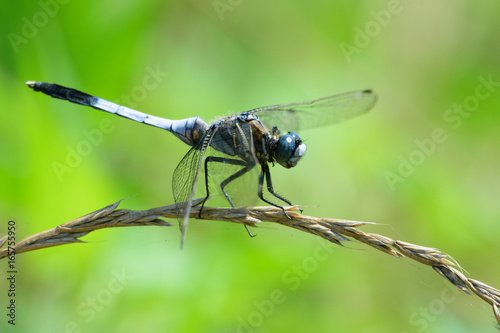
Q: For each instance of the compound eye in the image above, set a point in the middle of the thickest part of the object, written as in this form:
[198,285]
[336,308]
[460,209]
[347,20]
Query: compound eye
[289,149]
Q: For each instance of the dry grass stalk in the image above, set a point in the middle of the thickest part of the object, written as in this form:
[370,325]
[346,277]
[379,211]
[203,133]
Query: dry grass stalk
[333,230]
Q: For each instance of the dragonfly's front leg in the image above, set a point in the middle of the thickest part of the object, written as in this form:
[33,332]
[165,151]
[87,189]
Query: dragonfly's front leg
[265,173]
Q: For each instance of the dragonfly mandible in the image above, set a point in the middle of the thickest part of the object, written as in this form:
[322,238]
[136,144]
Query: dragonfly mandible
[243,140]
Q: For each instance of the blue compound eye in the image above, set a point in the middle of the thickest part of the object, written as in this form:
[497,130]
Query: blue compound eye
[289,149]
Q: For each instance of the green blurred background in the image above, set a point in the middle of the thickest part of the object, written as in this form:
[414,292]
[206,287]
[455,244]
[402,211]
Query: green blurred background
[421,57]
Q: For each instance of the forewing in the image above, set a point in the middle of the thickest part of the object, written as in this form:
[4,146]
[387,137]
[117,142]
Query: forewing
[317,112]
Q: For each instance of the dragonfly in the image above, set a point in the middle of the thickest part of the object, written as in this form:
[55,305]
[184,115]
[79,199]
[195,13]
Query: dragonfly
[239,142]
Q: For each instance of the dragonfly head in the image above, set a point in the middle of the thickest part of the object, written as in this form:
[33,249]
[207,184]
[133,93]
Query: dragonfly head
[289,149]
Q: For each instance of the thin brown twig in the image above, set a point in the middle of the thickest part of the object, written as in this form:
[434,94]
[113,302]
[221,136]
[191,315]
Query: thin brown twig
[333,230]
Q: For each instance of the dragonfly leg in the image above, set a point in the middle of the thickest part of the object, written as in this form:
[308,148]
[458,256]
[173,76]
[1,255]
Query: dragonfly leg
[208,159]
[221,160]
[265,173]
[247,166]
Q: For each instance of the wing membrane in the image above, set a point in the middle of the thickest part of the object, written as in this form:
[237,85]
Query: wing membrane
[317,112]
[185,180]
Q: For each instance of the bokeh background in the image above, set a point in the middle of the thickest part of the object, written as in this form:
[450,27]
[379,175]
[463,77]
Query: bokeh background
[425,59]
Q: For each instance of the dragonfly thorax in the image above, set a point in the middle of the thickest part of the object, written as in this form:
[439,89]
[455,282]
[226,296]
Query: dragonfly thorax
[289,149]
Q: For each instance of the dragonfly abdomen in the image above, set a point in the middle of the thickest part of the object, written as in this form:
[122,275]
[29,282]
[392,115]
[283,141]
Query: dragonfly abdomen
[189,130]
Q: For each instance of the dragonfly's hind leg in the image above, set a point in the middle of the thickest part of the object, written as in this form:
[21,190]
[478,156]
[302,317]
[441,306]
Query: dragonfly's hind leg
[225,182]
[246,167]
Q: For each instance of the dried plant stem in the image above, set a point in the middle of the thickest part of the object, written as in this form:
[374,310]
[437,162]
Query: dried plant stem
[333,230]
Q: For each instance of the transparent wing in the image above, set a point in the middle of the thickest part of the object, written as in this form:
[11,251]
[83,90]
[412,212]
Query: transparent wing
[185,181]
[317,112]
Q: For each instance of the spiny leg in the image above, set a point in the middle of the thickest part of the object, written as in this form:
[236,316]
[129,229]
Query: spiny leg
[247,167]
[219,160]
[270,188]
[265,172]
